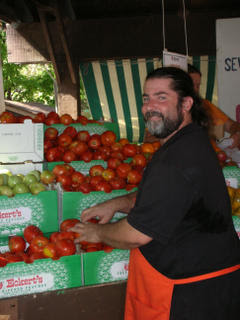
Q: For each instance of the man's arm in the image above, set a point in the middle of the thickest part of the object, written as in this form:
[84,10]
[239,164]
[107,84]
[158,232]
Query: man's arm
[119,235]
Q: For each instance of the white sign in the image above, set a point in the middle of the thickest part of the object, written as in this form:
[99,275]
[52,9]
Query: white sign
[228,64]
[172,59]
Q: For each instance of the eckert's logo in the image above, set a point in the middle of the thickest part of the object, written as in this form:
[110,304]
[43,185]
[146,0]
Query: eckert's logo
[15,215]
[26,284]
[119,270]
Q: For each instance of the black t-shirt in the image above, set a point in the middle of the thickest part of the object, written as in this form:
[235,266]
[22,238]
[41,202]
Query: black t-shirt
[183,204]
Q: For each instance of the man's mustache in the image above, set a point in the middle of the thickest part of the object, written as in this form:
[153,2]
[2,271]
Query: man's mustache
[150,114]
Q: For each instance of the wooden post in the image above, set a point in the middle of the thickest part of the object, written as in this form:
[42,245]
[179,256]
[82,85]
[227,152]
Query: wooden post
[2,103]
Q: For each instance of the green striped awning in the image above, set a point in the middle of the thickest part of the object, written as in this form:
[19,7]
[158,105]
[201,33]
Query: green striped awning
[114,90]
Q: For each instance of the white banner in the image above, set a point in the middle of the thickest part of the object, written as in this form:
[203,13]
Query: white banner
[228,64]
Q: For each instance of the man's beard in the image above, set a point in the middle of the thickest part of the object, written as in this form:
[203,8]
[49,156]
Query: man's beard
[164,126]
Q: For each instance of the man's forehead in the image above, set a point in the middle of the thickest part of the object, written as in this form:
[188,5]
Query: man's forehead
[157,84]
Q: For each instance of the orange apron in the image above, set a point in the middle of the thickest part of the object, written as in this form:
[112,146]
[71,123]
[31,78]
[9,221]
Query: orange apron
[149,293]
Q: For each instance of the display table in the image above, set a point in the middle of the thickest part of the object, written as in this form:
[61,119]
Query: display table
[105,301]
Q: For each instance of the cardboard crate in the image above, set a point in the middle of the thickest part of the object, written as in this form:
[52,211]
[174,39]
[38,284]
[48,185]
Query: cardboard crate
[236,223]
[4,245]
[232,176]
[21,147]
[43,275]
[92,128]
[71,204]
[100,267]
[24,209]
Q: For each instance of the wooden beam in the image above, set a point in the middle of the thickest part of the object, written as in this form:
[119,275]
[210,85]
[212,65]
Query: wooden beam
[49,44]
[62,34]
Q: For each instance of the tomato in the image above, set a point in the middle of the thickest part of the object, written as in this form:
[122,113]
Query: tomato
[70,169]
[64,140]
[103,186]
[11,257]
[106,248]
[129,150]
[54,236]
[117,154]
[147,148]
[30,232]
[69,156]
[50,121]
[94,141]
[123,169]
[66,119]
[50,251]
[53,154]
[60,169]
[48,144]
[7,117]
[85,187]
[98,155]
[35,256]
[83,136]
[65,247]
[39,118]
[108,138]
[113,163]
[87,156]
[134,177]
[71,131]
[129,187]
[16,244]
[123,141]
[47,177]
[117,183]
[66,235]
[3,260]
[93,220]
[65,180]
[156,145]
[106,151]
[139,160]
[94,180]
[77,178]
[96,170]
[108,174]
[83,120]
[221,155]
[51,133]
[53,115]
[116,146]
[38,243]
[78,147]
[68,223]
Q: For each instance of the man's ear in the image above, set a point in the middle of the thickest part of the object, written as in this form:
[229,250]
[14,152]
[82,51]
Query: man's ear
[187,103]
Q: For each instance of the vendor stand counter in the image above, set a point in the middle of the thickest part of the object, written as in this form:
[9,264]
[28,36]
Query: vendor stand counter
[104,301]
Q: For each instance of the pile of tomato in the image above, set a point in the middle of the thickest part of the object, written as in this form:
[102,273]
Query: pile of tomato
[49,119]
[33,245]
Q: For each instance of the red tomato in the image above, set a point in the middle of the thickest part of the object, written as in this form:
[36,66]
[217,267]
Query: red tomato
[30,232]
[65,247]
[106,248]
[104,186]
[129,150]
[47,177]
[108,174]
[116,146]
[139,160]
[147,148]
[53,154]
[78,147]
[69,156]
[108,138]
[3,260]
[106,151]
[50,251]
[95,180]
[123,169]
[96,170]
[129,187]
[35,256]
[71,131]
[64,140]
[70,169]
[156,145]
[83,120]
[54,236]
[117,154]
[83,136]
[66,119]
[16,244]
[12,257]
[94,141]
[60,169]
[93,220]
[66,235]
[113,163]
[50,121]
[48,144]
[98,155]
[7,117]
[87,156]
[53,115]
[68,223]
[117,183]
[85,187]
[77,178]
[39,118]
[123,141]
[65,180]
[51,133]
[134,177]
[38,243]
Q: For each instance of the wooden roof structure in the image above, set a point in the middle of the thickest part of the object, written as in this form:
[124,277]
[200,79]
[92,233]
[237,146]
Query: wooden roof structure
[67,32]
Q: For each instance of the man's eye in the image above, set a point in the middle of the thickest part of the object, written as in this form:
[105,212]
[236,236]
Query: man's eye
[145,99]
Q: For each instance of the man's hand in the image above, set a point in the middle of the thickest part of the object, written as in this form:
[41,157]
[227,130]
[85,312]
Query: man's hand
[87,232]
[104,211]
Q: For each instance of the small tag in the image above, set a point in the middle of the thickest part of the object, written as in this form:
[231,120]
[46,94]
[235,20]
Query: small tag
[232,182]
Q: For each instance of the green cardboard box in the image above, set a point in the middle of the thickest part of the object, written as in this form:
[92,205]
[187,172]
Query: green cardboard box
[24,209]
[43,275]
[232,176]
[78,165]
[100,267]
